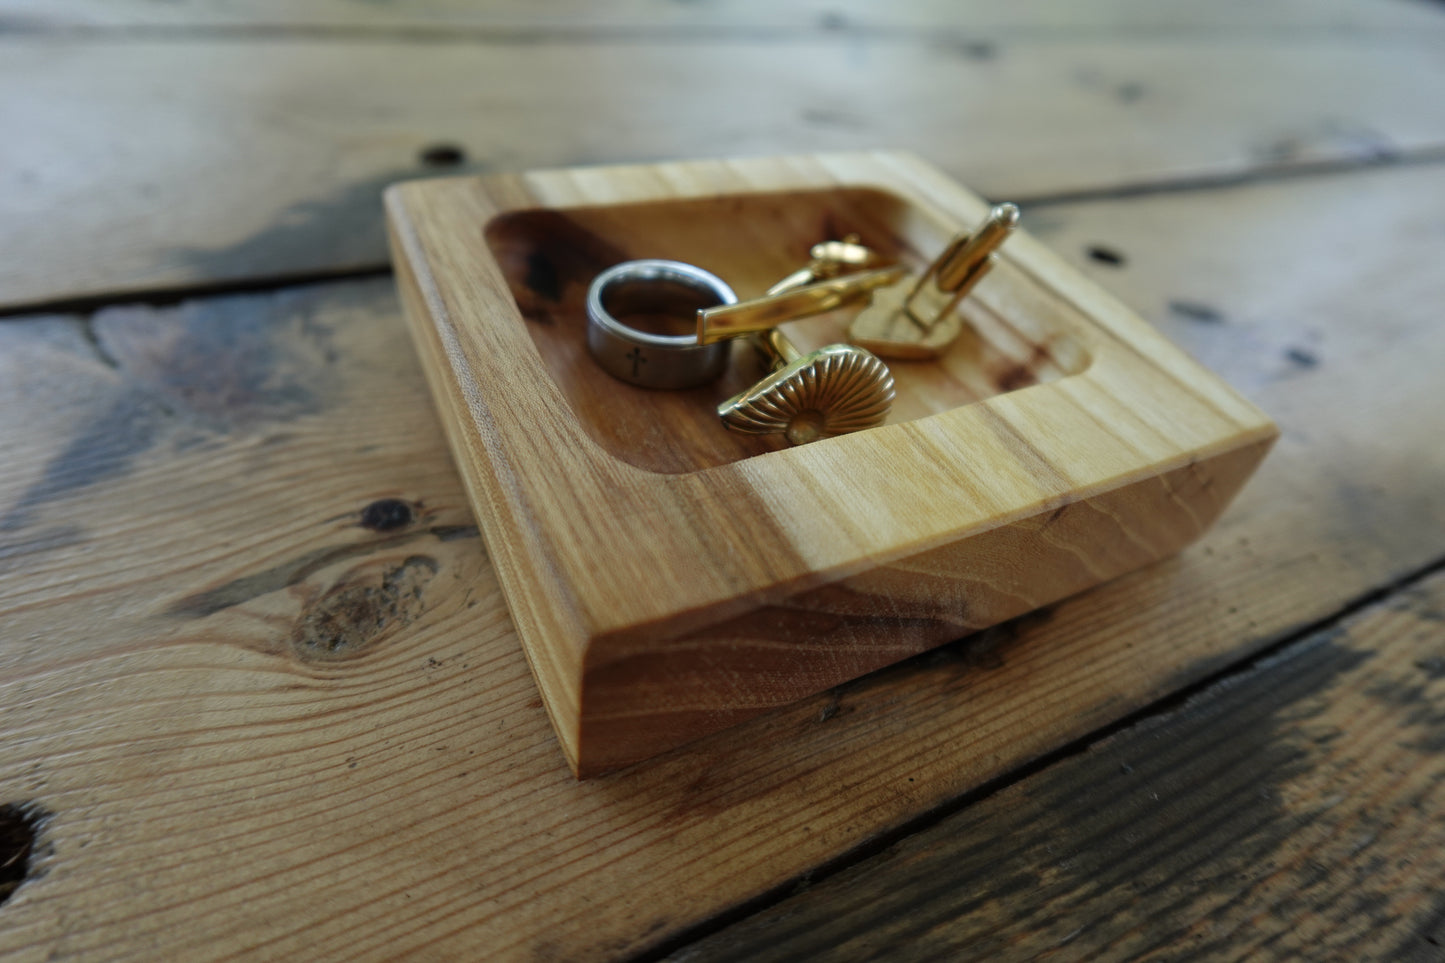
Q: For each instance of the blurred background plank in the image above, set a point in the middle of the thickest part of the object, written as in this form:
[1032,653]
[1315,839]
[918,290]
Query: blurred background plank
[1112,16]
[136,165]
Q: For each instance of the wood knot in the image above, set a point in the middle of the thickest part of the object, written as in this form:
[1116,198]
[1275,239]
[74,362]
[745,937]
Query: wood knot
[354,613]
[20,826]
[387,515]
[442,155]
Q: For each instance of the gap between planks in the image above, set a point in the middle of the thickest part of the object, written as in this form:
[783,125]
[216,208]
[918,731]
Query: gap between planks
[161,297]
[824,32]
[727,21]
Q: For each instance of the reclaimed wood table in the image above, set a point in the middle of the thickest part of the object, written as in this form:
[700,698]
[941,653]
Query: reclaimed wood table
[260,696]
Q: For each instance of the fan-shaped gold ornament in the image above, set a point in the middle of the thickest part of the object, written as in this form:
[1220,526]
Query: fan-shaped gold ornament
[837,389]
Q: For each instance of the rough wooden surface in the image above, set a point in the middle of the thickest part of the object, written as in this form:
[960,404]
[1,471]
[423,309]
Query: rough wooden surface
[219,520]
[1296,810]
[256,155]
[311,734]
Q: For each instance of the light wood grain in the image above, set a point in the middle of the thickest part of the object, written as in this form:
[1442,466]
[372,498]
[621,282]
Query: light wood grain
[181,518]
[1293,811]
[658,607]
[256,157]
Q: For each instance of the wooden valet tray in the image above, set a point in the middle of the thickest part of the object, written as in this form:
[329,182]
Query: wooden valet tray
[669,578]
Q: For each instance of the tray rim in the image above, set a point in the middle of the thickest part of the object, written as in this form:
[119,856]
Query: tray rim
[698,575]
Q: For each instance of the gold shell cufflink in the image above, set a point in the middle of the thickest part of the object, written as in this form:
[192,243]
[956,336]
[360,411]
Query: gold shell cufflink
[832,391]
[837,389]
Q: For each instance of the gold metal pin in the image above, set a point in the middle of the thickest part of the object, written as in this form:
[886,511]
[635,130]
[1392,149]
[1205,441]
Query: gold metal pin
[783,304]
[918,320]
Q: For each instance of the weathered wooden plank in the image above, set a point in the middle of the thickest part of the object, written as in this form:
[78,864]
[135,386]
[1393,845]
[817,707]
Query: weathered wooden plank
[573,16]
[264,708]
[1296,811]
[227,160]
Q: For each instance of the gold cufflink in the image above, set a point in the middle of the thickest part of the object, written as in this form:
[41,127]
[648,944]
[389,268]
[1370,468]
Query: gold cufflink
[917,320]
[837,389]
[832,391]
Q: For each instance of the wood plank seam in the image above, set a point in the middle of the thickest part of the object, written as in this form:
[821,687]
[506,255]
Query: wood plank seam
[881,843]
[1228,180]
[824,30]
[166,296]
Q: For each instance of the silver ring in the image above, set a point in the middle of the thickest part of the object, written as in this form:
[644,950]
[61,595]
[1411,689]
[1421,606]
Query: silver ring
[654,360]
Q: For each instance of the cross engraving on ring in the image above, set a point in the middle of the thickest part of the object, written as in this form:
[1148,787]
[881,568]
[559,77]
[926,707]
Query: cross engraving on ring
[637,358]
